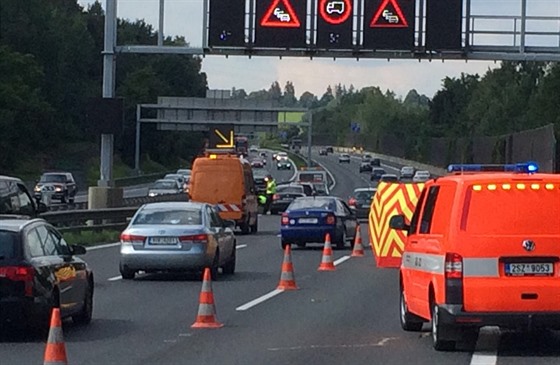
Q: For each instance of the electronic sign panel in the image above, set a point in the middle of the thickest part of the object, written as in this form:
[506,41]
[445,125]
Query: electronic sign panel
[388,24]
[281,24]
[443,24]
[334,24]
[226,23]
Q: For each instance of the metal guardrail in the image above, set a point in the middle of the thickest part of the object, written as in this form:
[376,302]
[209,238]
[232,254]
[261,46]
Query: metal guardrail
[73,220]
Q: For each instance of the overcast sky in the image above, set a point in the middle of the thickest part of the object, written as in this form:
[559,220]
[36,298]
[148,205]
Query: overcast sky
[184,17]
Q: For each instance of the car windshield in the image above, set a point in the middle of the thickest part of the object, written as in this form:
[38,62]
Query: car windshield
[312,203]
[173,177]
[185,172]
[168,216]
[290,189]
[8,245]
[165,185]
[364,194]
[378,171]
[50,178]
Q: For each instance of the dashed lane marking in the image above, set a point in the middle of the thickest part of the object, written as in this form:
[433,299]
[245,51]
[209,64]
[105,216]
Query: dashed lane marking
[99,247]
[238,247]
[341,260]
[259,300]
[115,278]
[486,351]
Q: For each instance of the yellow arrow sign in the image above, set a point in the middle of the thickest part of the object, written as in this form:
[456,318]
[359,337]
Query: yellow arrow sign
[229,142]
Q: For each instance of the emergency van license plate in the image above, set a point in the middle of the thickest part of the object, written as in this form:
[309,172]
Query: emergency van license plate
[526,269]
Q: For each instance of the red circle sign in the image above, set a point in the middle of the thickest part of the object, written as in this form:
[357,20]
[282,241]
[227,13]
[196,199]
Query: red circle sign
[335,11]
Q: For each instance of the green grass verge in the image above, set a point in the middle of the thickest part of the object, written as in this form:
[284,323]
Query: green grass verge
[91,238]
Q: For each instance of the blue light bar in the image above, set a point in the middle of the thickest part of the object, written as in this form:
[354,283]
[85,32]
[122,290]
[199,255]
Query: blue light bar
[525,167]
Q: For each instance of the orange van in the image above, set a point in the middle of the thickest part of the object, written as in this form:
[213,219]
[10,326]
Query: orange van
[227,182]
[483,248]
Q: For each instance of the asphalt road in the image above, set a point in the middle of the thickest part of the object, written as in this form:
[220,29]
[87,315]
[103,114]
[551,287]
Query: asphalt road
[349,316]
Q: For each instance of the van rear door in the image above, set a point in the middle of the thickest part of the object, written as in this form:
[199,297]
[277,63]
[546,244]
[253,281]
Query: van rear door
[510,232]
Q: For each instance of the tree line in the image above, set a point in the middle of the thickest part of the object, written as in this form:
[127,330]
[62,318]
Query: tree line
[51,65]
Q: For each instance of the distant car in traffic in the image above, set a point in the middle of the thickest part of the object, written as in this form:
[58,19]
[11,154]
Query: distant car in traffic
[40,271]
[257,163]
[375,162]
[178,177]
[407,172]
[263,155]
[365,166]
[309,219]
[177,236]
[285,195]
[389,178]
[366,158]
[254,149]
[321,189]
[259,178]
[421,176]
[184,172]
[376,173]
[283,163]
[330,149]
[323,152]
[360,201]
[344,158]
[281,155]
[165,186]
[15,199]
[61,186]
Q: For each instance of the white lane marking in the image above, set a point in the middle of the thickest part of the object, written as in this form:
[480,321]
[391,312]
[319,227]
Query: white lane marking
[99,247]
[259,300]
[238,247]
[341,260]
[115,278]
[486,351]
[380,343]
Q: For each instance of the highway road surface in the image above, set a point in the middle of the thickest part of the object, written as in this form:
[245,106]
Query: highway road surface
[348,316]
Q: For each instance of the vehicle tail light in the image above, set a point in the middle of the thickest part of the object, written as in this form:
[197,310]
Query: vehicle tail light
[196,238]
[132,239]
[352,202]
[453,266]
[275,197]
[285,219]
[331,219]
[20,273]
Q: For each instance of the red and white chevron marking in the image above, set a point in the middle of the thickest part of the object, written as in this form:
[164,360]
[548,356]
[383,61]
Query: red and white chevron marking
[391,199]
[229,208]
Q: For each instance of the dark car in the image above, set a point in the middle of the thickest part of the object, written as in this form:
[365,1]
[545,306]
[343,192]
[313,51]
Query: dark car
[376,174]
[285,195]
[389,178]
[407,172]
[309,219]
[259,178]
[323,152]
[283,164]
[330,149]
[375,162]
[60,185]
[365,166]
[39,271]
[360,201]
[16,200]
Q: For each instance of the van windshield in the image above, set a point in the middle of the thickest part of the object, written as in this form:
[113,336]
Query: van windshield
[513,211]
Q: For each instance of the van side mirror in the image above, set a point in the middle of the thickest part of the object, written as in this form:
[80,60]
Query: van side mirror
[398,222]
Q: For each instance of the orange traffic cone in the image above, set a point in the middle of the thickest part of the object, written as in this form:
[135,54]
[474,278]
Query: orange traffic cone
[327,261]
[287,280]
[206,317]
[55,352]
[358,250]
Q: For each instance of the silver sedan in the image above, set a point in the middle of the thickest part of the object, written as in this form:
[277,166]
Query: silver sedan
[177,236]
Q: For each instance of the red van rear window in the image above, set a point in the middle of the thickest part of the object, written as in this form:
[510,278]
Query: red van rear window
[512,208]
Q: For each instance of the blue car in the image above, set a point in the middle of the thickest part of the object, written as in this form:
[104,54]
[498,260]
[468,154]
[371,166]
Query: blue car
[309,219]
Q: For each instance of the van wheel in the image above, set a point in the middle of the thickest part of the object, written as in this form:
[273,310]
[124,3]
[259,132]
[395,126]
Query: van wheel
[439,342]
[255,227]
[409,322]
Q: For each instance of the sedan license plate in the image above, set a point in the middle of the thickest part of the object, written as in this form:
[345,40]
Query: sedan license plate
[307,220]
[529,269]
[164,240]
